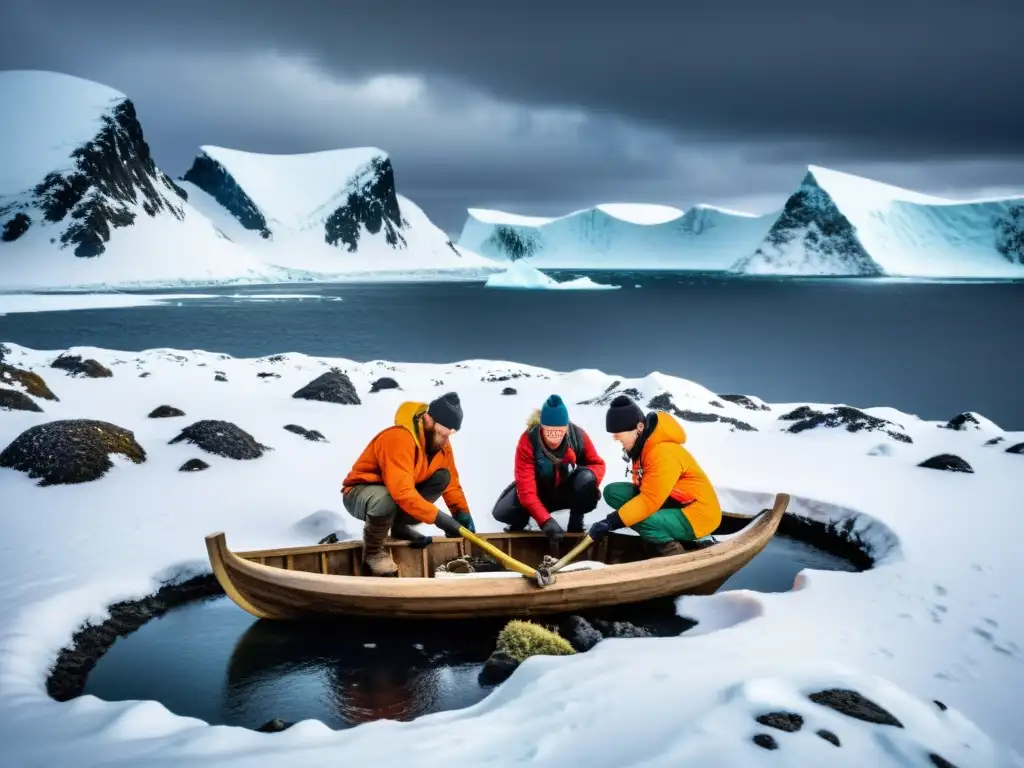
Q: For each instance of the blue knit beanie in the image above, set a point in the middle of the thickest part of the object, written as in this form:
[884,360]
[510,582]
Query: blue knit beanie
[554,413]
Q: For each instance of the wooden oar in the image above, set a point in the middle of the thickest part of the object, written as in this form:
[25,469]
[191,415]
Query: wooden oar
[508,560]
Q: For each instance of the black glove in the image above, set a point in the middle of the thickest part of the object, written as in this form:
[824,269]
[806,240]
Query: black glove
[611,523]
[553,530]
[448,524]
[466,521]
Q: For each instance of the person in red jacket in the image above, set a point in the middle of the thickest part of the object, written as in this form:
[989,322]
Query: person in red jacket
[556,467]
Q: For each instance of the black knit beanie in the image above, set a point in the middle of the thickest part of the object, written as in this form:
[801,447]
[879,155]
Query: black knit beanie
[446,411]
[623,415]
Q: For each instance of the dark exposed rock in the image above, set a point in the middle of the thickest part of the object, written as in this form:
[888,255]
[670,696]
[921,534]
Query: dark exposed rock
[509,391]
[1010,234]
[994,441]
[851,419]
[74,662]
[938,760]
[384,383]
[1017,449]
[853,704]
[811,216]
[268,375]
[746,402]
[663,402]
[70,451]
[790,722]
[947,461]
[765,740]
[373,204]
[492,378]
[15,227]
[275,726]
[512,243]
[963,422]
[31,382]
[828,736]
[165,412]
[580,633]
[620,629]
[13,400]
[940,705]
[330,538]
[611,393]
[309,434]
[4,351]
[331,387]
[497,669]
[76,366]
[211,177]
[145,375]
[836,537]
[112,175]
[222,438]
[220,377]
[798,414]
[193,465]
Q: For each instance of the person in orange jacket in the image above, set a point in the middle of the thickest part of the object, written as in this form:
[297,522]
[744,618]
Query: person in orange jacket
[404,470]
[670,499]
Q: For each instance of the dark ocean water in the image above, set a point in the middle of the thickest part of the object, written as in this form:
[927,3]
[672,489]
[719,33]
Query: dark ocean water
[933,349]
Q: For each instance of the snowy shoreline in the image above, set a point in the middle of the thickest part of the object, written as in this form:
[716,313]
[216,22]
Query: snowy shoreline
[937,617]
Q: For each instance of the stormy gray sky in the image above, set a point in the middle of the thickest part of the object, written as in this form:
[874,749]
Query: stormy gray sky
[543,107]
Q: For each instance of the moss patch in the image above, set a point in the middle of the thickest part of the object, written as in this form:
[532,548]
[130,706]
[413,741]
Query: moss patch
[70,451]
[13,400]
[222,438]
[76,366]
[31,382]
[522,639]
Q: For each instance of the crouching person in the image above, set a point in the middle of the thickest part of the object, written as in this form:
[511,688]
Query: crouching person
[670,499]
[404,470]
[556,467]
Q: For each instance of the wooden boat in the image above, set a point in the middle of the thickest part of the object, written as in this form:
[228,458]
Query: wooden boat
[326,579]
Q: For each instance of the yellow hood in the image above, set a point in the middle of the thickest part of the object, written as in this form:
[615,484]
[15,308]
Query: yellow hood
[407,417]
[667,430]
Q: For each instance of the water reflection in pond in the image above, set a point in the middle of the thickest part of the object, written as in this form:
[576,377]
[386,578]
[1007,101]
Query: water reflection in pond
[213,661]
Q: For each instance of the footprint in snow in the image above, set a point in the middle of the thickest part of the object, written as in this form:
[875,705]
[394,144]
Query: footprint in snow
[940,590]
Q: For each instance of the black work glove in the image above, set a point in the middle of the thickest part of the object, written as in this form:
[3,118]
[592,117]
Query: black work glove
[611,523]
[553,530]
[448,524]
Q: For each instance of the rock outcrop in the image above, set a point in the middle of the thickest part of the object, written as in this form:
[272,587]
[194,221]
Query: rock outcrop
[372,203]
[332,387]
[843,417]
[74,365]
[70,451]
[222,438]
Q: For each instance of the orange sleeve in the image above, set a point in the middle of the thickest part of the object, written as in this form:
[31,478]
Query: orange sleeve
[396,455]
[453,495]
[655,485]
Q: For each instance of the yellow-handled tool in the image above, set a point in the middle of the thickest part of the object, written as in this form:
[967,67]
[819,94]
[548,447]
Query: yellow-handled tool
[572,554]
[508,560]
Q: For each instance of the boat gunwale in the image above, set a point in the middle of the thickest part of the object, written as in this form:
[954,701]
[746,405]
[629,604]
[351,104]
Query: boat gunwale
[737,548]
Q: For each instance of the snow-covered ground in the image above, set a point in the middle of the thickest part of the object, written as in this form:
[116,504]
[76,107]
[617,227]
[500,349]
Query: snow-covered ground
[522,275]
[939,617]
[620,236]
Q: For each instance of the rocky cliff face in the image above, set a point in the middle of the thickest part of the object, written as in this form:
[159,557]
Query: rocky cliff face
[1010,235]
[211,177]
[112,180]
[813,236]
[372,203]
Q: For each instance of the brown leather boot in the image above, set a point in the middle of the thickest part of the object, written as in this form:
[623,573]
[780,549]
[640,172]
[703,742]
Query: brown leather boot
[669,548]
[375,554]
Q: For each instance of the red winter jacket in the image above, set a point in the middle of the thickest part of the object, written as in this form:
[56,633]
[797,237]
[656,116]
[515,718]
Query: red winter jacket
[526,476]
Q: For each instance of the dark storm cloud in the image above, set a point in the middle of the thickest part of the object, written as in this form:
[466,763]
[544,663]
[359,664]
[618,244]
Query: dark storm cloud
[680,100]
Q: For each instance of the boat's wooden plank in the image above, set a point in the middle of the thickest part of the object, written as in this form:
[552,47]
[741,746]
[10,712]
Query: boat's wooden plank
[275,561]
[309,562]
[323,563]
[339,561]
[410,562]
[289,562]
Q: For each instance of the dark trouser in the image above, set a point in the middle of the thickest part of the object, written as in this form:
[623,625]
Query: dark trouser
[667,524]
[364,501]
[578,493]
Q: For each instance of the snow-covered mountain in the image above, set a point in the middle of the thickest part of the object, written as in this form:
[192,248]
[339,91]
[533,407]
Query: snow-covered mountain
[840,224]
[618,236]
[82,203]
[833,224]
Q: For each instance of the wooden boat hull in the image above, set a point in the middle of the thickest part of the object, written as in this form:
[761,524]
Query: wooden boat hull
[323,580]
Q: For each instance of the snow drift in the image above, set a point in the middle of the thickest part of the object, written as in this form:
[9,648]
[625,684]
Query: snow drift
[840,224]
[618,236]
[82,203]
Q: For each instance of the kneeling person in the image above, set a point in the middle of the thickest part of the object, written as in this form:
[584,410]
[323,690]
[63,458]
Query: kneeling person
[404,470]
[670,498]
[544,481]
